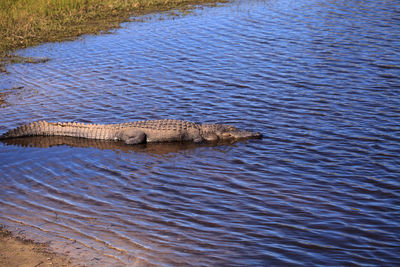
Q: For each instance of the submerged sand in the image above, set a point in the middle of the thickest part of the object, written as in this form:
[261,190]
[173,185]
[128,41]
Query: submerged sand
[16,251]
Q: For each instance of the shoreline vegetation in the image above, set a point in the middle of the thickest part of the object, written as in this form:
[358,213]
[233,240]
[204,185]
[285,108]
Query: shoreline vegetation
[25,23]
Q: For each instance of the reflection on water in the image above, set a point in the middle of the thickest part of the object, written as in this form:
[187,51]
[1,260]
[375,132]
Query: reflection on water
[151,148]
[320,80]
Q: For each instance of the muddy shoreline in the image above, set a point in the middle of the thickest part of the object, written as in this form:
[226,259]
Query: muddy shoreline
[19,251]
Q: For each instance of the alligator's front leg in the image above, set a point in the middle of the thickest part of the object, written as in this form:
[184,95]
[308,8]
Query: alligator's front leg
[132,136]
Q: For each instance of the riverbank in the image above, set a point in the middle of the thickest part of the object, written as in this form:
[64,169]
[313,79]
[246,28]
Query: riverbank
[32,22]
[16,251]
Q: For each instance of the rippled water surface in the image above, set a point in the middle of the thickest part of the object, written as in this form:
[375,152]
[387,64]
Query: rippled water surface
[321,81]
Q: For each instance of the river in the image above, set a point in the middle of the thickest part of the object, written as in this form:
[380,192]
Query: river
[320,80]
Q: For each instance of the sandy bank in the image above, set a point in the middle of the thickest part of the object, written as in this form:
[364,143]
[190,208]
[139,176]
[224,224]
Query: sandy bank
[16,251]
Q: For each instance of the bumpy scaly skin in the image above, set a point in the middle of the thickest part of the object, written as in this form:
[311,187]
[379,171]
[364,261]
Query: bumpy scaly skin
[151,131]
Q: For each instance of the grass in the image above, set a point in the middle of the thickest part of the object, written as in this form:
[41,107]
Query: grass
[26,23]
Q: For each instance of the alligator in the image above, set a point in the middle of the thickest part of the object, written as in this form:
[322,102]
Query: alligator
[138,132]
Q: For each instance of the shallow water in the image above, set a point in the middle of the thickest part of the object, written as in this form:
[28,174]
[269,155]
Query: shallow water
[321,81]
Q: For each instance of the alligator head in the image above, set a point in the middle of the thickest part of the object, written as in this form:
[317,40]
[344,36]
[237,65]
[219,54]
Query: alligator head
[221,132]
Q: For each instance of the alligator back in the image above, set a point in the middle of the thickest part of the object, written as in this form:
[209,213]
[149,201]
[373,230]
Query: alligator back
[153,128]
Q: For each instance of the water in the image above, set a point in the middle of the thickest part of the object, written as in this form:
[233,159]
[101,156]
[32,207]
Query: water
[320,80]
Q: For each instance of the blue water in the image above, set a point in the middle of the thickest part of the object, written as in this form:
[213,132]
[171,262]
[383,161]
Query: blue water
[320,80]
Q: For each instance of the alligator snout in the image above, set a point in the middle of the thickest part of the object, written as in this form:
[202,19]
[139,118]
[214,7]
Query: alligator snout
[246,134]
[257,135]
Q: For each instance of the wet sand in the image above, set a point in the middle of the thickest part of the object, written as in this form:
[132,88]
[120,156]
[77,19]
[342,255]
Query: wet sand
[16,251]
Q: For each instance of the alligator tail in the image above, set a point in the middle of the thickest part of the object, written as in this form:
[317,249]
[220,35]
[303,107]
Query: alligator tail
[73,129]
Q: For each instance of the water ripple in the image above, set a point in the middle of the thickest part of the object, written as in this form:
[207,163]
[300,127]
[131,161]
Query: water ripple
[319,79]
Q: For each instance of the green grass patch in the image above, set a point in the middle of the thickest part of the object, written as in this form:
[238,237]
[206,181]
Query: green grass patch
[26,23]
